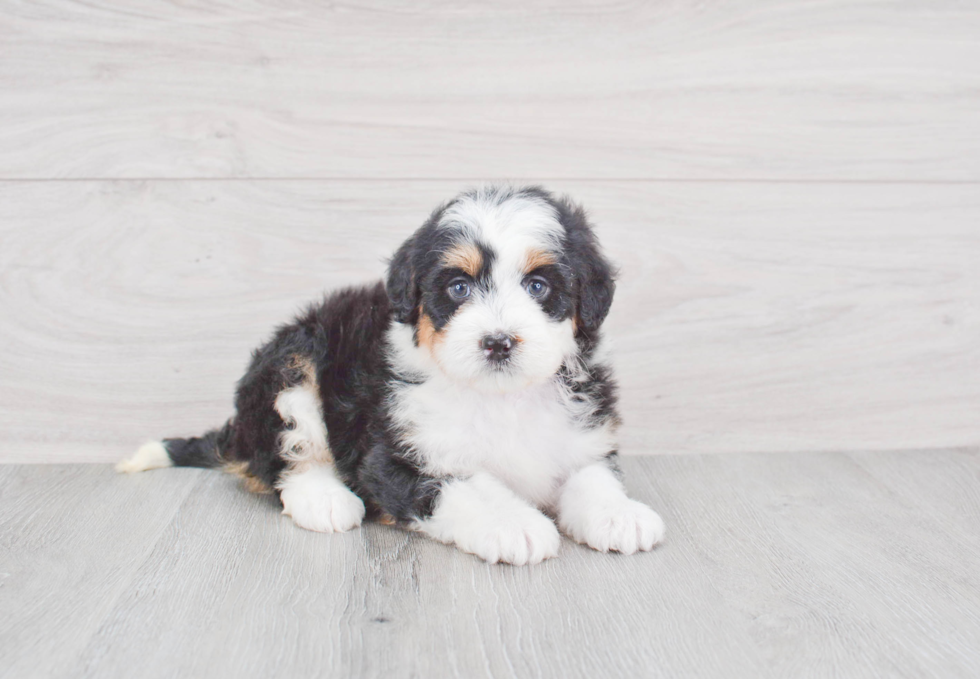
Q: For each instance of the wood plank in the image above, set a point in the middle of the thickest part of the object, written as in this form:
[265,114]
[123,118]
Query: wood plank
[216,599]
[950,489]
[834,574]
[775,565]
[71,539]
[296,88]
[748,317]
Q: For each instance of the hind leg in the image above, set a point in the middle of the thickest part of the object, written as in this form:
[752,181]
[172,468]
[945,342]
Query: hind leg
[311,491]
[318,500]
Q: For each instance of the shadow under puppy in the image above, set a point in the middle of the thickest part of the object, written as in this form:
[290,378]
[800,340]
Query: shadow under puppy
[462,398]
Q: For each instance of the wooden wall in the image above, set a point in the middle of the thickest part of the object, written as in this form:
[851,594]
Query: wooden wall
[791,190]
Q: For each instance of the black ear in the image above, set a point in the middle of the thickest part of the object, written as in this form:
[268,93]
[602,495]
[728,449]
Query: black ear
[596,294]
[595,277]
[402,284]
[411,260]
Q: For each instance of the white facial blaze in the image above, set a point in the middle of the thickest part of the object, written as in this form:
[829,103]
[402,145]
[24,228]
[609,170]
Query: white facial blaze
[511,227]
[541,344]
[513,223]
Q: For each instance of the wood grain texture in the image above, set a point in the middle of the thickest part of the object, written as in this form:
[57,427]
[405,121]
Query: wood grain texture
[749,317]
[798,544]
[796,565]
[791,189]
[71,540]
[296,88]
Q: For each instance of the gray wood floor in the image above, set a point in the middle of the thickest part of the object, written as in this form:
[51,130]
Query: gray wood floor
[794,565]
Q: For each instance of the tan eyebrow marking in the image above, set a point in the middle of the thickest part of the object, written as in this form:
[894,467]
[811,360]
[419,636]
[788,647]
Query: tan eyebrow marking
[466,257]
[535,258]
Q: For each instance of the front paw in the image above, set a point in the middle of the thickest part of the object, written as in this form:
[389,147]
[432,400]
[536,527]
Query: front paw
[522,538]
[624,526]
[480,515]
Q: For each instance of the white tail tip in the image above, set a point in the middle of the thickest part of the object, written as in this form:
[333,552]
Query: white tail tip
[150,455]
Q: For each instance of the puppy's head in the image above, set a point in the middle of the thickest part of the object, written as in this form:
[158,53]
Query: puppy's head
[501,286]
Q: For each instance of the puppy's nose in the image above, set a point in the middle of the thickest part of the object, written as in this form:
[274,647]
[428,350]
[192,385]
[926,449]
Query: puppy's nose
[497,347]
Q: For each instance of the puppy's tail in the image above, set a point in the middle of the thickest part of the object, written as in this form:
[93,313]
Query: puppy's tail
[199,451]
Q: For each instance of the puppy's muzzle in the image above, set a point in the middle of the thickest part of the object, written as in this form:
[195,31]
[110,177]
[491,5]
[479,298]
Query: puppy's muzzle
[497,347]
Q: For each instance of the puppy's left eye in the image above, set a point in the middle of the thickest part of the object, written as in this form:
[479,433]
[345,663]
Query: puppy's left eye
[537,287]
[459,289]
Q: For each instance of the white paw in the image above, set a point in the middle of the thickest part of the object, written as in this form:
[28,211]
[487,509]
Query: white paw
[521,538]
[480,515]
[318,500]
[334,511]
[624,525]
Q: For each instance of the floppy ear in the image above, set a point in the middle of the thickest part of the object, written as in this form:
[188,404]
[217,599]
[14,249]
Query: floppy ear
[402,285]
[595,277]
[596,293]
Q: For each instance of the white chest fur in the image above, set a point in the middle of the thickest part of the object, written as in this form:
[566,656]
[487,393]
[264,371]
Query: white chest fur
[531,440]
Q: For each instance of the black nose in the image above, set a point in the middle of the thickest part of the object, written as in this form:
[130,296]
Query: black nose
[497,347]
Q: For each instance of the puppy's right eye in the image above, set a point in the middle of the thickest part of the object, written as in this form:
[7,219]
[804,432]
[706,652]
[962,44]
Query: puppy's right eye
[459,289]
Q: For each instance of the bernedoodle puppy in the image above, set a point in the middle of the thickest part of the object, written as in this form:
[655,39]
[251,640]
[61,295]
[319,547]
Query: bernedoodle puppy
[467,397]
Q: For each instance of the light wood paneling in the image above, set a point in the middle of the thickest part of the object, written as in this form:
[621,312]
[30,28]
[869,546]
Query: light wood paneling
[796,565]
[752,317]
[292,88]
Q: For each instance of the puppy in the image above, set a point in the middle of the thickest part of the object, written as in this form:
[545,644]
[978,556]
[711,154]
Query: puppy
[467,397]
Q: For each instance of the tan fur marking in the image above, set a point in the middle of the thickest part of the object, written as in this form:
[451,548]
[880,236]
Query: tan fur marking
[304,366]
[537,258]
[387,520]
[466,257]
[427,333]
[253,484]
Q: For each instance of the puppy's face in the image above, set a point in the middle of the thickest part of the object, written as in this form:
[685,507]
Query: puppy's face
[495,285]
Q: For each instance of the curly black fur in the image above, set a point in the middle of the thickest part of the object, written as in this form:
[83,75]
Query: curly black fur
[342,342]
